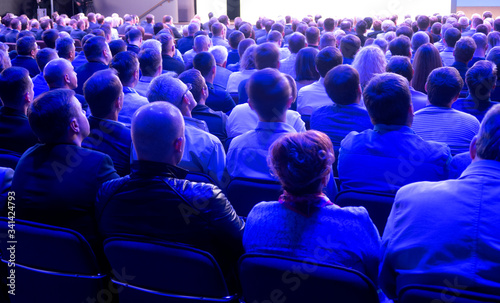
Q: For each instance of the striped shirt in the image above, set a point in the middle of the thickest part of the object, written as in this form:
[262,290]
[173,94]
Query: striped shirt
[446,125]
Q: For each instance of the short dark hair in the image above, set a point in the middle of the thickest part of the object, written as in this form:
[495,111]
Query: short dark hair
[327,59]
[195,78]
[94,47]
[329,24]
[247,30]
[165,40]
[327,39]
[267,55]
[49,37]
[235,38]
[400,46]
[496,25]
[423,22]
[350,45]
[387,98]
[305,64]
[464,49]
[224,19]
[312,35]
[15,82]
[451,36]
[101,90]
[481,78]
[400,65]
[488,138]
[149,61]
[341,84]
[158,26]
[361,27]
[204,62]
[443,85]
[51,113]
[369,22]
[117,46]
[44,56]
[296,42]
[25,45]
[133,35]
[278,27]
[63,47]
[404,30]
[268,92]
[125,63]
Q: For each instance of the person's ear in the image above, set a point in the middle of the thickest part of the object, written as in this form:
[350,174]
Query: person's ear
[75,127]
[119,102]
[473,148]
[66,78]
[178,144]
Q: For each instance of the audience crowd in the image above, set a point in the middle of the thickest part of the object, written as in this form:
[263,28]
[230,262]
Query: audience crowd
[105,119]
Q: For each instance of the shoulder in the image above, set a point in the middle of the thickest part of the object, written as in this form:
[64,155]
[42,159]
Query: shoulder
[353,137]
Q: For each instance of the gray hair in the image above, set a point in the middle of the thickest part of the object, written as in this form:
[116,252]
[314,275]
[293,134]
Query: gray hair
[167,88]
[419,39]
[248,59]
[151,43]
[220,54]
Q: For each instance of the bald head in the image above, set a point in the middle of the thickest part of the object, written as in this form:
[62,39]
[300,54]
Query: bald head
[158,133]
[59,73]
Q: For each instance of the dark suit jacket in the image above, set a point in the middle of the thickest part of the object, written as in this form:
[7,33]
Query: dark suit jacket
[57,184]
[92,26]
[77,34]
[216,120]
[11,36]
[28,63]
[172,64]
[86,71]
[177,35]
[15,131]
[112,138]
[133,48]
[233,57]
[185,44]
[122,28]
[219,99]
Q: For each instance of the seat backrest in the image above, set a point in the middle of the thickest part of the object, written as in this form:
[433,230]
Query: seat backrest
[165,267]
[9,160]
[293,280]
[435,294]
[49,247]
[378,205]
[12,46]
[244,193]
[41,44]
[147,36]
[307,121]
[78,45]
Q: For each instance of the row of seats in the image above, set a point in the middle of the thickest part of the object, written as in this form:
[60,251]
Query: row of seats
[56,264]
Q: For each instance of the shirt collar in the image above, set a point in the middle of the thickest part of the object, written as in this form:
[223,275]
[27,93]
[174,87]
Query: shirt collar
[12,112]
[384,128]
[142,167]
[129,90]
[490,168]
[275,127]
[146,79]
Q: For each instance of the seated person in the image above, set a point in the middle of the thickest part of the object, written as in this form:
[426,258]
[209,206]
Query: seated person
[463,53]
[16,92]
[314,96]
[56,182]
[346,114]
[481,80]
[439,121]
[443,233]
[304,223]
[26,53]
[98,57]
[270,96]
[390,155]
[103,92]
[156,200]
[43,57]
[216,120]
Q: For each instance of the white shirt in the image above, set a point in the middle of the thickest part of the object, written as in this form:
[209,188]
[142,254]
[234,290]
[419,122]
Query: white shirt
[243,119]
[312,97]
[236,78]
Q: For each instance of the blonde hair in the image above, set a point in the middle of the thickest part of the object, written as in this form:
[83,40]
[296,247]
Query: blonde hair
[369,61]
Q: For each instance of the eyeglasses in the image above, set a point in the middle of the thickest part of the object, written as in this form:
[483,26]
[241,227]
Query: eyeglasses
[189,87]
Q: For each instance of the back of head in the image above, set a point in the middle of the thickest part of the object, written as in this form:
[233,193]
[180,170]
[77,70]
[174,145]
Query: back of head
[195,78]
[481,41]
[481,78]
[220,54]
[400,65]
[167,88]
[49,37]
[493,39]
[488,138]
[464,22]
[494,56]
[329,24]
[278,27]
[201,43]
[65,47]
[217,29]
[51,113]
[193,28]
[361,27]
[436,28]
[204,62]
[15,83]
[44,56]
[400,46]
[26,45]
[247,60]
[327,39]
[419,39]
[305,64]
[423,22]
[275,37]
[369,62]
[149,61]
[101,90]
[443,86]
[388,99]
[235,38]
[382,44]
[342,84]
[327,59]
[94,47]
[451,36]
[296,42]
[312,36]
[117,46]
[404,30]
[349,46]
[126,64]
[133,35]
[55,71]
[496,25]
[224,19]
[268,93]
[464,49]
[156,130]
[267,55]
[301,161]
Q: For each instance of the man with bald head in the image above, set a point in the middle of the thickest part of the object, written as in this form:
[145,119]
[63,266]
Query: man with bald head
[202,43]
[169,207]
[204,152]
[59,73]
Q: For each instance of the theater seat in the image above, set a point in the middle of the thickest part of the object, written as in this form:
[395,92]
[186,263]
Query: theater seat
[9,158]
[435,294]
[283,279]
[158,271]
[53,264]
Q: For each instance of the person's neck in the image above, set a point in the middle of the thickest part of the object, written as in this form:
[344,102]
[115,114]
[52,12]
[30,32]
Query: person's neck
[99,60]
[56,86]
[21,108]
[281,118]
[480,53]
[113,116]
[136,43]
[210,78]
